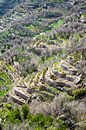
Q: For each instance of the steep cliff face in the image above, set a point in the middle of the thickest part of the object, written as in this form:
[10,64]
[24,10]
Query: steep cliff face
[6,5]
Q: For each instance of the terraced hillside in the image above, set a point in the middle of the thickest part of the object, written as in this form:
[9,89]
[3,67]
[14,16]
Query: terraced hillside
[50,82]
[43,61]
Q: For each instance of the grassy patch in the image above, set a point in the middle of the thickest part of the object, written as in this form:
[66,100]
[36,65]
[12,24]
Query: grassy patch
[79,93]
[5,80]
[32,28]
[57,24]
[2,93]
[10,67]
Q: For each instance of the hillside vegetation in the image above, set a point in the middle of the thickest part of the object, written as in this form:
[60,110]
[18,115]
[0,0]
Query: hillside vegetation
[43,65]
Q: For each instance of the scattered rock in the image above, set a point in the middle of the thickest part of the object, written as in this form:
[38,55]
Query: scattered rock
[83,19]
[77,79]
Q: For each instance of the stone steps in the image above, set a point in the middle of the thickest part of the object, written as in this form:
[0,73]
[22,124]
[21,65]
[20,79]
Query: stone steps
[66,66]
[61,83]
[48,89]
[57,89]
[60,78]
[16,98]
[53,81]
[21,92]
[45,94]
[58,74]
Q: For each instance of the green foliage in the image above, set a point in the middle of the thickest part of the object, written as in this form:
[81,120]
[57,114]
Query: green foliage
[10,114]
[45,28]
[79,93]
[8,106]
[25,111]
[14,115]
[57,24]
[2,93]
[60,124]
[5,35]
[52,128]
[38,121]
[41,36]
[10,67]
[5,79]
[41,120]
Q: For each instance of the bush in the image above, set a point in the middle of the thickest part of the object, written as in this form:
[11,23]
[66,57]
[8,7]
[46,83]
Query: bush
[41,120]
[14,115]
[8,106]
[25,111]
[60,124]
[79,93]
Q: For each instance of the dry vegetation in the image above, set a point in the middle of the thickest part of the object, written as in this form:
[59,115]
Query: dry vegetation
[43,65]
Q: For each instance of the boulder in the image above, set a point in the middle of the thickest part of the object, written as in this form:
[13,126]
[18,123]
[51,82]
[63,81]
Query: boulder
[62,117]
[77,79]
[83,19]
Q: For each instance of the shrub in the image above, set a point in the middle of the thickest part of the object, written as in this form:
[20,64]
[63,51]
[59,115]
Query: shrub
[25,111]
[41,120]
[8,106]
[79,93]
[60,124]
[14,115]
